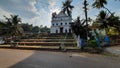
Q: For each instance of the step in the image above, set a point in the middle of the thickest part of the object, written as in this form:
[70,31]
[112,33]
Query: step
[45,43]
[55,38]
[47,40]
[46,48]
[56,35]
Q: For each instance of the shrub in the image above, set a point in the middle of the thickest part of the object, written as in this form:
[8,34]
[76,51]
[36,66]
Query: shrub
[92,43]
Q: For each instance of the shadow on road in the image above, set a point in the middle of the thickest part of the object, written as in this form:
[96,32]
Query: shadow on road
[60,60]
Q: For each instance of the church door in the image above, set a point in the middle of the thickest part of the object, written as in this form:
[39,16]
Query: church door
[61,30]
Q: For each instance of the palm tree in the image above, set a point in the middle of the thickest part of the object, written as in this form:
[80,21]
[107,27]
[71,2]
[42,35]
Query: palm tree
[108,21]
[11,26]
[67,7]
[114,21]
[14,25]
[101,4]
[102,18]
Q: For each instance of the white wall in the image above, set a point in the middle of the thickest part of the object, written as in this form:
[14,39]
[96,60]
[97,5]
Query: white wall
[60,18]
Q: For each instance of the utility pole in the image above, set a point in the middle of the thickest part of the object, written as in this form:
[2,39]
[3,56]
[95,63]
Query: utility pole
[85,10]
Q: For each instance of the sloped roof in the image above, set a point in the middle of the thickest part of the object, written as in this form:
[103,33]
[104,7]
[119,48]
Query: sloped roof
[61,13]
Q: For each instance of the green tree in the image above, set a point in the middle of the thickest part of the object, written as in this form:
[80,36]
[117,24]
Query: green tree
[11,27]
[44,29]
[102,18]
[35,29]
[79,28]
[27,27]
[67,7]
[101,4]
[108,21]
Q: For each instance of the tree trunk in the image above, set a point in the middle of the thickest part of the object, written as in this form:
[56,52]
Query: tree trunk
[107,10]
[85,10]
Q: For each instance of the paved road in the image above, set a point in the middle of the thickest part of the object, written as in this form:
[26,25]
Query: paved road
[43,59]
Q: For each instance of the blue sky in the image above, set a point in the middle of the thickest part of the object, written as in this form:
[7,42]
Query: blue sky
[38,12]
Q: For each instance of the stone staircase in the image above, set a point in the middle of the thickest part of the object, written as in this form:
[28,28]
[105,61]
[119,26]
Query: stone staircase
[53,40]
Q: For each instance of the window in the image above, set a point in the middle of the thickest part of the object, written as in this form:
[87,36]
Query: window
[56,23]
[69,23]
[61,23]
[56,31]
[69,30]
[65,23]
[53,24]
[65,30]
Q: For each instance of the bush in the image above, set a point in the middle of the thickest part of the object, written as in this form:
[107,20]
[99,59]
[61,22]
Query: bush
[92,43]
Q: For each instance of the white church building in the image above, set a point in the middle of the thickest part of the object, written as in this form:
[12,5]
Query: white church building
[60,23]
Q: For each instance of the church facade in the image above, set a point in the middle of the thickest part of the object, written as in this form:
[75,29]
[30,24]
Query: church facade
[60,23]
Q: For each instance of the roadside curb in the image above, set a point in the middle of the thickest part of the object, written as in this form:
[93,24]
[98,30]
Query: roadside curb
[112,50]
[42,49]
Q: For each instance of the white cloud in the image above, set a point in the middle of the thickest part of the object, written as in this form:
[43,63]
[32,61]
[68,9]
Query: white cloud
[117,13]
[77,11]
[52,3]
[53,6]
[43,18]
[32,6]
[23,8]
[43,11]
[4,13]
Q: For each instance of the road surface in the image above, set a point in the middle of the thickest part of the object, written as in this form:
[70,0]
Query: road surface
[13,58]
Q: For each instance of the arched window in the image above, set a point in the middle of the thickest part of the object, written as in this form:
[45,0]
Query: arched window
[56,23]
[69,30]
[61,23]
[65,30]
[53,24]
[65,23]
